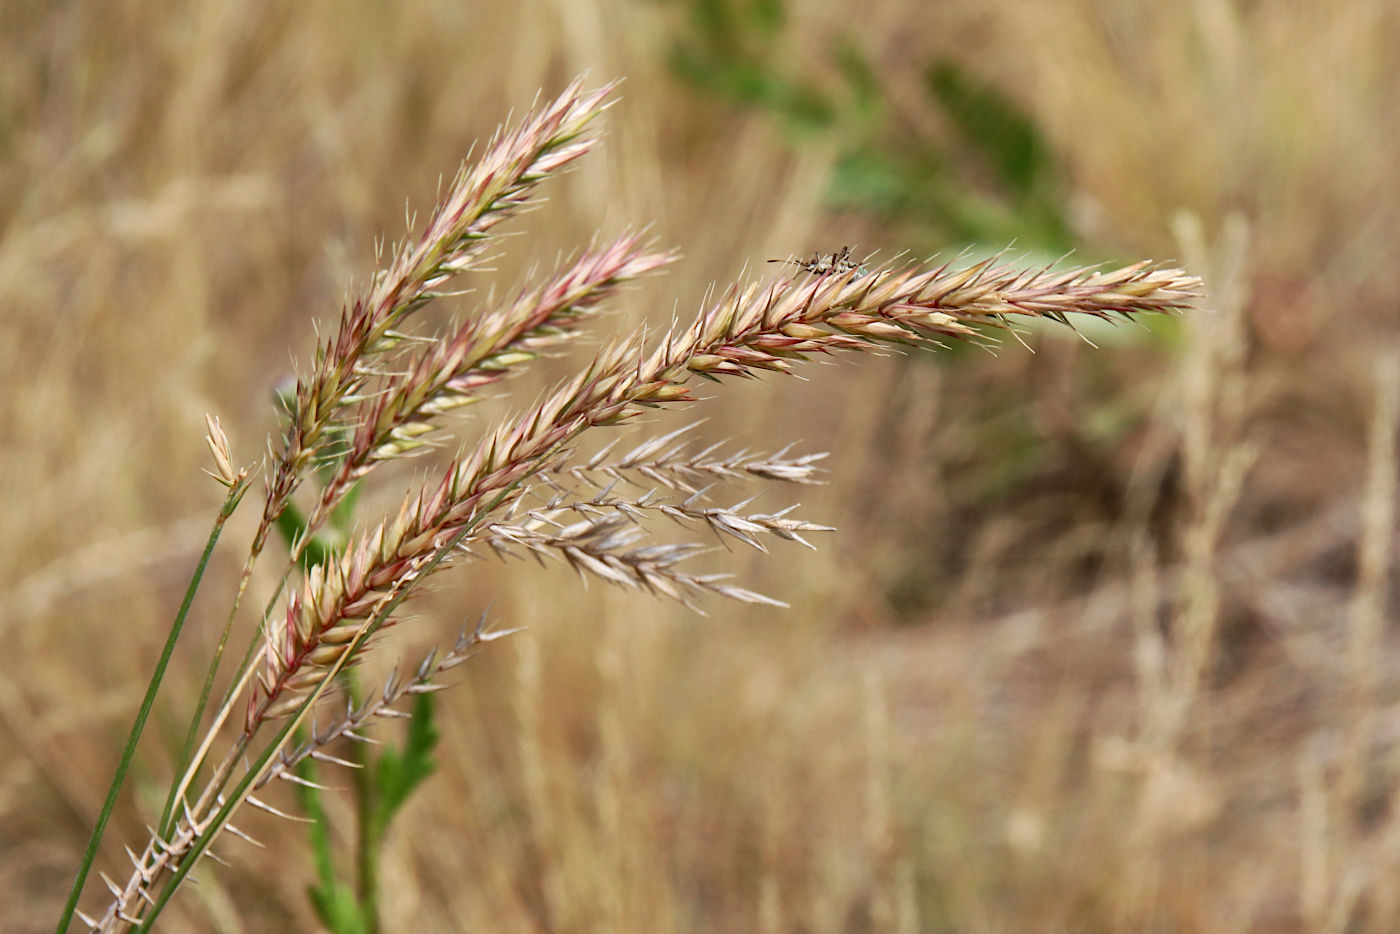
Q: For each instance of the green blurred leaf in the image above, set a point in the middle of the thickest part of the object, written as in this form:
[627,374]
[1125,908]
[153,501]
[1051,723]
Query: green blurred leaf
[870,177]
[867,99]
[730,54]
[400,772]
[291,525]
[768,16]
[1004,187]
[733,24]
[992,123]
[335,903]
[343,515]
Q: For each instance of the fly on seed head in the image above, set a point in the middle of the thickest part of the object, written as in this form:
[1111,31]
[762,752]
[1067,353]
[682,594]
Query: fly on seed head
[821,265]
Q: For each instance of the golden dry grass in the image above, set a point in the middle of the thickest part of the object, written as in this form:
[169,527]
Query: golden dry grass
[1103,644]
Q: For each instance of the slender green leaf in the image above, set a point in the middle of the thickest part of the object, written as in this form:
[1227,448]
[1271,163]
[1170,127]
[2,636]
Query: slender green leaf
[231,501]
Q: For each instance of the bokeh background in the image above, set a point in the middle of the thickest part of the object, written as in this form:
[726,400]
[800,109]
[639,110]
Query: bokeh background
[1104,641]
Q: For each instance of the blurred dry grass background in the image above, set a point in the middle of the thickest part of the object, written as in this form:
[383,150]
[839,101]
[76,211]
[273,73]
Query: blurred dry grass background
[1104,642]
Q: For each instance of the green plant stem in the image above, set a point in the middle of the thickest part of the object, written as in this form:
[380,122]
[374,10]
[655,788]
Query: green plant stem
[235,494]
[371,835]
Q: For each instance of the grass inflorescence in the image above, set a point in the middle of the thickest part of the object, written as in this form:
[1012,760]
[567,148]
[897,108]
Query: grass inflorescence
[378,392]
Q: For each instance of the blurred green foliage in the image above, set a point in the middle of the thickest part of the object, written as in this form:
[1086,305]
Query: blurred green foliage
[972,168]
[958,166]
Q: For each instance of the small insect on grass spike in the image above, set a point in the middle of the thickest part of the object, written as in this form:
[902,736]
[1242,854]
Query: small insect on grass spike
[820,265]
